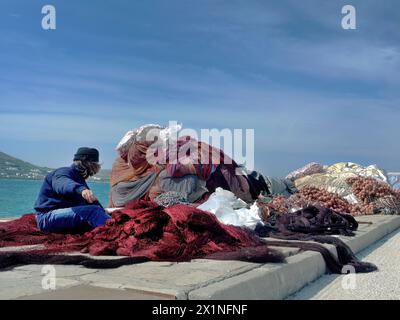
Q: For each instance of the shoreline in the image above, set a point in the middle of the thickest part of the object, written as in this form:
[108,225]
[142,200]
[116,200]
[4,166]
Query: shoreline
[17,196]
[9,218]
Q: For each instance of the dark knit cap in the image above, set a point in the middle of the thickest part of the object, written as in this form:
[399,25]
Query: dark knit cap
[87,154]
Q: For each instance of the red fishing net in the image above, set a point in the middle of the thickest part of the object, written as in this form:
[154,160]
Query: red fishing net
[141,229]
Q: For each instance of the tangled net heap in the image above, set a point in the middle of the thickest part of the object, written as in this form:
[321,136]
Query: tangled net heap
[310,196]
[374,196]
[377,196]
[319,197]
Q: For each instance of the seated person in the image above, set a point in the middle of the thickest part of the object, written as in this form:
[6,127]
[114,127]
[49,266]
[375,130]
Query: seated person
[65,202]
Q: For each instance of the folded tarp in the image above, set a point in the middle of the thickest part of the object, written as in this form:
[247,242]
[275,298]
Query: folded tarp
[279,186]
[308,169]
[371,171]
[394,180]
[190,185]
[125,192]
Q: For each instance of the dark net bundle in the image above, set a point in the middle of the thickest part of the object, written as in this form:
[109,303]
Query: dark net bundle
[272,207]
[315,224]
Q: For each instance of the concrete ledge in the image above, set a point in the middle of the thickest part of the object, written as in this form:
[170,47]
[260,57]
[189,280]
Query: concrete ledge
[87,292]
[300,270]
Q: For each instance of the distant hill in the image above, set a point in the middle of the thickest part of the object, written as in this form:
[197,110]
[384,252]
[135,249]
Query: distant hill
[13,168]
[102,176]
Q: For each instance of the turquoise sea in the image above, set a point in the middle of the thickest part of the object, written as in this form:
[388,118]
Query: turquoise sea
[17,197]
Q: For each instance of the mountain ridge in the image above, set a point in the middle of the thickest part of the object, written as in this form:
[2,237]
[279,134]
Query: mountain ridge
[14,168]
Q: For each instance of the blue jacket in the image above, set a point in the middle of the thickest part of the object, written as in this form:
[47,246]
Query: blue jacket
[61,188]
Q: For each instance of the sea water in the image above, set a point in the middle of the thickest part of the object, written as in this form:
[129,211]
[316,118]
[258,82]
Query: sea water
[18,197]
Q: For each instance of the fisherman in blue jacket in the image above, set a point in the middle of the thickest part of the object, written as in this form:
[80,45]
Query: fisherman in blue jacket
[65,202]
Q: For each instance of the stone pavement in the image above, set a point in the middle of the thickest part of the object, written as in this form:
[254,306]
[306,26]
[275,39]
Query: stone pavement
[383,284]
[199,279]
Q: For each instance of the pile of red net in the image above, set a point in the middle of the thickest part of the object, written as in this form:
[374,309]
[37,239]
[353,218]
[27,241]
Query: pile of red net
[141,229]
[24,231]
[177,233]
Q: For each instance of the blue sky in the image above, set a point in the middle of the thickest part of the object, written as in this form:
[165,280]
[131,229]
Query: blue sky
[311,90]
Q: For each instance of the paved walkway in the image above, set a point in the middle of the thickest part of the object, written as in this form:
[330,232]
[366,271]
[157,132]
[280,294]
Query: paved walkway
[384,284]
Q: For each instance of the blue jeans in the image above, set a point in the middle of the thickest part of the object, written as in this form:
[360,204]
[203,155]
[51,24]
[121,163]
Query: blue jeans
[69,219]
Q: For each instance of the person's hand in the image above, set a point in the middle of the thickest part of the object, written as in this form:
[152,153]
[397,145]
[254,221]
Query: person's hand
[89,196]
